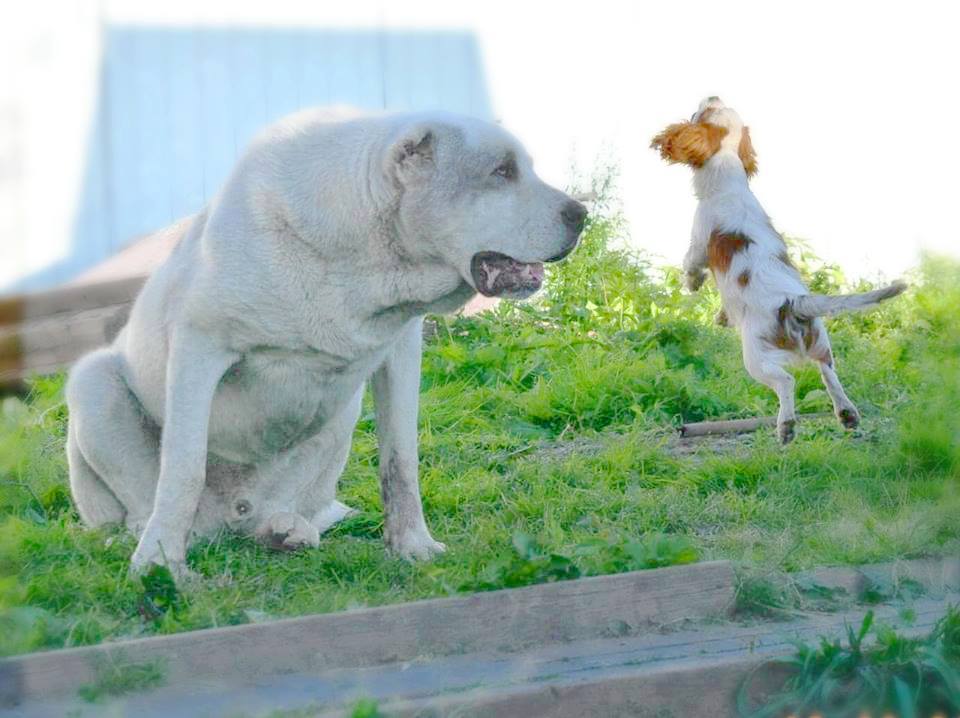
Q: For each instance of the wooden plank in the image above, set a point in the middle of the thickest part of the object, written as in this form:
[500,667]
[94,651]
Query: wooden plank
[68,299]
[54,342]
[705,682]
[738,426]
[507,620]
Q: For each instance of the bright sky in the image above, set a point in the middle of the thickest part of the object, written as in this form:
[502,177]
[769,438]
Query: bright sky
[853,107]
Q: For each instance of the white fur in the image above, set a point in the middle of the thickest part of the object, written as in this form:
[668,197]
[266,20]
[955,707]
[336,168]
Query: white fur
[230,397]
[727,205]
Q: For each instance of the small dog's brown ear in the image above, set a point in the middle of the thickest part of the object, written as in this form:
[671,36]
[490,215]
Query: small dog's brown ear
[691,143]
[747,154]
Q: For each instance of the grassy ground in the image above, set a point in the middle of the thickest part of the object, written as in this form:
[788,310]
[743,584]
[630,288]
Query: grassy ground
[546,454]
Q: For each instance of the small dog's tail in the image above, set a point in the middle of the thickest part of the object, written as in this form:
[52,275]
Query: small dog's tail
[822,305]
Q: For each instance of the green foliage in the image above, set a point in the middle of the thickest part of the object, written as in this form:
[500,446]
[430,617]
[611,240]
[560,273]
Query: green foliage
[530,564]
[548,419]
[906,676]
[160,593]
[366,708]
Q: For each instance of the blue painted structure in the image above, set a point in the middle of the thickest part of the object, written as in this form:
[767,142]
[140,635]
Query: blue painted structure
[177,106]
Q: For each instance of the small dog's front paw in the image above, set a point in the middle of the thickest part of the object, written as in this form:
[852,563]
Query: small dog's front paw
[288,531]
[694,280]
[849,417]
[786,430]
[415,546]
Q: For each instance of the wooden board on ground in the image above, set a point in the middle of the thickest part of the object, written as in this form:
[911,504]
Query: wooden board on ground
[508,620]
[694,667]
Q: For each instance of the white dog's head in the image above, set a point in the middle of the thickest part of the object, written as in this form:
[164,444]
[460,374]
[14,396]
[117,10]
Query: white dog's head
[712,128]
[468,197]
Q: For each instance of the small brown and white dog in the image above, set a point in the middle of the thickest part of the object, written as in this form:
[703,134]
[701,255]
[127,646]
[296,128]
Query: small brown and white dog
[762,292]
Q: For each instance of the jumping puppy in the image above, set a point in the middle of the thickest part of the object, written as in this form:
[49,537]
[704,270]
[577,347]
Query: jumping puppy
[762,292]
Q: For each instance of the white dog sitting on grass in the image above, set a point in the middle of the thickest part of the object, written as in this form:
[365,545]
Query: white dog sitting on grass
[230,397]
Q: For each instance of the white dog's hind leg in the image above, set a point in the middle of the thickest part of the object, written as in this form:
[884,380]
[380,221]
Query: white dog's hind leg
[396,391]
[763,367]
[288,531]
[95,503]
[333,513]
[112,448]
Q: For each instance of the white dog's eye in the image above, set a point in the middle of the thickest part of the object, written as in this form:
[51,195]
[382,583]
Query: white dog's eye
[506,169]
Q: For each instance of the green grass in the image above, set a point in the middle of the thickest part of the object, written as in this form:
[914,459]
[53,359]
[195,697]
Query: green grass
[545,454]
[896,675]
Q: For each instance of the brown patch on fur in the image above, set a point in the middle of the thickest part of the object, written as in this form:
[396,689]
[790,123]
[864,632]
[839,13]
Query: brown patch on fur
[785,336]
[782,340]
[792,331]
[744,278]
[690,143]
[722,319]
[721,248]
[748,155]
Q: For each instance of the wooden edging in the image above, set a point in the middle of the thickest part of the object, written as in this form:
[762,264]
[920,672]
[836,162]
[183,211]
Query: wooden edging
[738,426]
[734,659]
[507,620]
[66,300]
[697,688]
[44,332]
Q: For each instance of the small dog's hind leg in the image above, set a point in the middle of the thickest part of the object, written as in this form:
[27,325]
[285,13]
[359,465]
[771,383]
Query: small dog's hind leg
[771,374]
[819,351]
[842,406]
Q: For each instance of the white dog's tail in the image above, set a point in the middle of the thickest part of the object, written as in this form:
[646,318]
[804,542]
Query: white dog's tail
[821,305]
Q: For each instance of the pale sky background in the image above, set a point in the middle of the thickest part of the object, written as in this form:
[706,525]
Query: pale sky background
[853,107]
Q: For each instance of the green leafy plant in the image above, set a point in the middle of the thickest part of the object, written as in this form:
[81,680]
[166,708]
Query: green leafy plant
[160,593]
[529,564]
[908,676]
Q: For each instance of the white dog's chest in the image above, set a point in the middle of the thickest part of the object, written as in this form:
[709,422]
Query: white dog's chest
[274,399]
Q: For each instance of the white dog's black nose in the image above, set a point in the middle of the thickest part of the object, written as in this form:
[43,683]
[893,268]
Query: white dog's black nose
[574,215]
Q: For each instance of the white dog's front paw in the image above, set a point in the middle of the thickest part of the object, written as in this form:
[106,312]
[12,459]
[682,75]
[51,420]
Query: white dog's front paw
[415,546]
[287,531]
[153,552]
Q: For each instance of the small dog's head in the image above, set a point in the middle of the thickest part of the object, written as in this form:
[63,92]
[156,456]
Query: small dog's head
[712,128]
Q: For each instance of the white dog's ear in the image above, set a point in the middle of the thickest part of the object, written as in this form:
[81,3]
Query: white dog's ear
[413,154]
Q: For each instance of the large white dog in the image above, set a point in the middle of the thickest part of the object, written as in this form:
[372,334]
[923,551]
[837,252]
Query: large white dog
[230,397]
